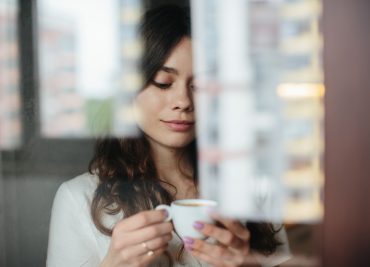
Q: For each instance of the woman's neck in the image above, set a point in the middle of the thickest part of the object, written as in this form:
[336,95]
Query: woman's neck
[173,165]
[169,161]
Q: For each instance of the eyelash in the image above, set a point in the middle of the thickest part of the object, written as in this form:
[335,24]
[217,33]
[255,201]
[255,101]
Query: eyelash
[168,85]
[162,85]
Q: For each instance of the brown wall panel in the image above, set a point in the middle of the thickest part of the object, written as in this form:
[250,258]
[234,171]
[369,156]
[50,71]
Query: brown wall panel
[346,230]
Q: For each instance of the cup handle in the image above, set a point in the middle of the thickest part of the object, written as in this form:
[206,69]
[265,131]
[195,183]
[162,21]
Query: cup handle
[168,209]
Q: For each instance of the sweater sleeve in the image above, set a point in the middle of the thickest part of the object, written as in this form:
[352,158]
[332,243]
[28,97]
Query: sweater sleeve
[71,240]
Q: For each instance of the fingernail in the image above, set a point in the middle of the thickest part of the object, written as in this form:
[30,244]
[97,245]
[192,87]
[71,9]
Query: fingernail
[188,240]
[198,225]
[165,212]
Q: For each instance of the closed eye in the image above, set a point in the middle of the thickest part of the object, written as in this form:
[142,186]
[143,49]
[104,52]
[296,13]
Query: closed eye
[162,85]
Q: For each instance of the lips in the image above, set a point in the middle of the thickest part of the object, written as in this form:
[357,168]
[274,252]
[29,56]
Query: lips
[179,125]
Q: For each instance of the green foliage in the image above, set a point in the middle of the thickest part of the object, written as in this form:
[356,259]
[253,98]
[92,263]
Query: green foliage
[99,116]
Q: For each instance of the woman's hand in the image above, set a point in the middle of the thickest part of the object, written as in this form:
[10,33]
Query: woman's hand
[231,248]
[139,239]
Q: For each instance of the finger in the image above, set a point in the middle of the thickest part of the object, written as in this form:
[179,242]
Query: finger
[147,258]
[234,226]
[140,220]
[147,233]
[224,236]
[122,240]
[218,252]
[151,245]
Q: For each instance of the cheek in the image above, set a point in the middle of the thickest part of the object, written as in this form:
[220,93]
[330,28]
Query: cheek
[148,109]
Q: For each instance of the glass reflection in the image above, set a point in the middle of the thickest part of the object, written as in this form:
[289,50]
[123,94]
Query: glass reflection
[10,120]
[260,113]
[88,55]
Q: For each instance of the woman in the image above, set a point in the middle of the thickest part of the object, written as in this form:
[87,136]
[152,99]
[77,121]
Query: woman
[106,217]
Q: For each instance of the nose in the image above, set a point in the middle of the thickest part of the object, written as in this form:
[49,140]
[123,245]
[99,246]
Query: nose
[183,99]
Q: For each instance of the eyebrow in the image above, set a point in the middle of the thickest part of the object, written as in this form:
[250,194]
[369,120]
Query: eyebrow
[172,70]
[169,70]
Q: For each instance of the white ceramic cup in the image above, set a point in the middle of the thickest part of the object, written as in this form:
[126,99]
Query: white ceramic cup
[184,213]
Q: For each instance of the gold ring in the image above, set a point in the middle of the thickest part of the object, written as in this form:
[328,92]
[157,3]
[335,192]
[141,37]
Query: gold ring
[145,245]
[149,252]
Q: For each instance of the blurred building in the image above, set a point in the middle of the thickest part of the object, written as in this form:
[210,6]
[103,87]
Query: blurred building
[62,108]
[301,90]
[130,81]
[83,93]
[10,108]
[301,41]
[265,35]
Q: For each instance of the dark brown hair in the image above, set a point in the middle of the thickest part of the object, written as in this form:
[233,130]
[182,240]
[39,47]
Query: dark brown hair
[128,179]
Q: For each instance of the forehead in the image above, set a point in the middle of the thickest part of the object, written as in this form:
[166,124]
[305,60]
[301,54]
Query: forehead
[181,57]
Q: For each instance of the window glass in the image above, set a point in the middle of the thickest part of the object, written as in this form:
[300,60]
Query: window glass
[260,113]
[10,119]
[84,89]
[260,89]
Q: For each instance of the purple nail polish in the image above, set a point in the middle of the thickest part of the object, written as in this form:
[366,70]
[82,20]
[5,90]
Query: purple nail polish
[188,240]
[198,225]
[165,212]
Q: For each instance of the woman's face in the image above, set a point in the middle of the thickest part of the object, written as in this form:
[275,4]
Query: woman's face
[165,106]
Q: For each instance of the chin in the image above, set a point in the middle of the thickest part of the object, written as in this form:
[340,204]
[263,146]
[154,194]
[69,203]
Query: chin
[178,144]
[173,141]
